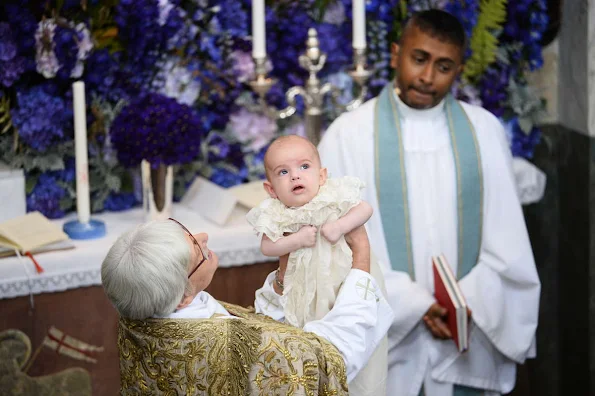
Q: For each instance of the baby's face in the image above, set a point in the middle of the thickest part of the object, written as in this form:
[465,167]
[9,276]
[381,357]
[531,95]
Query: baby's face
[294,173]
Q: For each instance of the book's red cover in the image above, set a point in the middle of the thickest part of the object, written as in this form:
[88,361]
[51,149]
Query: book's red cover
[443,298]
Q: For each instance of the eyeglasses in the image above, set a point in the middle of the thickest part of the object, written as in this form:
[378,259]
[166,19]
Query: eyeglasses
[202,254]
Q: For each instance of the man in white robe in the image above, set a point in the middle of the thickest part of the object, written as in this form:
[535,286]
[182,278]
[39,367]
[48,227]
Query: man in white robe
[502,289]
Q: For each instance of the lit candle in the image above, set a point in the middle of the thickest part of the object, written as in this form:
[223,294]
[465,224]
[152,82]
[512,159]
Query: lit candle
[258,30]
[80,151]
[359,24]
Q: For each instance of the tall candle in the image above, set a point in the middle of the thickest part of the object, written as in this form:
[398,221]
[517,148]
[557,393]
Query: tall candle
[80,151]
[258,30]
[359,24]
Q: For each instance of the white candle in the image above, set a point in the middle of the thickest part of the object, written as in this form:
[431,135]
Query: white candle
[80,151]
[359,24]
[258,30]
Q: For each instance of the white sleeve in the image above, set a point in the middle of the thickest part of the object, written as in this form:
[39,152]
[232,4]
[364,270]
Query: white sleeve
[268,302]
[503,288]
[357,322]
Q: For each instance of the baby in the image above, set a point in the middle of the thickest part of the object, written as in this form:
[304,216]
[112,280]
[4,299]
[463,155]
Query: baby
[302,202]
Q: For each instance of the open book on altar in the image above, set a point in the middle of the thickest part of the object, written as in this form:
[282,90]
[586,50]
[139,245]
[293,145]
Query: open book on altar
[449,295]
[32,233]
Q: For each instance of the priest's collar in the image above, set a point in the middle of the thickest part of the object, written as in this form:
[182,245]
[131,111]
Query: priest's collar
[411,113]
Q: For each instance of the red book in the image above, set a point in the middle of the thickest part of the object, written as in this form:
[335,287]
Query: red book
[449,295]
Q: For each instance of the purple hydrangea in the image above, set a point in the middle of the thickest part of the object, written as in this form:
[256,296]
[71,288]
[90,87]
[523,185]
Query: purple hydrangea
[143,37]
[12,65]
[227,178]
[42,118]
[46,196]
[233,18]
[522,144]
[23,24]
[219,147]
[158,129]
[493,88]
[117,202]
[254,130]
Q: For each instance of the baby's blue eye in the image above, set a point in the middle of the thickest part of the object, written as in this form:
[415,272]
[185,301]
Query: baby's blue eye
[283,172]
[305,166]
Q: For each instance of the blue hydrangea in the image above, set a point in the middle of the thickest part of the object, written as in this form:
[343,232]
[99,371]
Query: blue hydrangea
[522,144]
[42,118]
[117,202]
[226,178]
[12,65]
[46,196]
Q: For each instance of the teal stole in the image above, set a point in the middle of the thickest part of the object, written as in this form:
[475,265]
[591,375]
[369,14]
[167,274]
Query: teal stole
[391,186]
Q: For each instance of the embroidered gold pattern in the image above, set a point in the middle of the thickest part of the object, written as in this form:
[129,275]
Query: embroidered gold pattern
[252,356]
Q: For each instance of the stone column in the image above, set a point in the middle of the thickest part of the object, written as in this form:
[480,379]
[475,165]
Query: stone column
[562,225]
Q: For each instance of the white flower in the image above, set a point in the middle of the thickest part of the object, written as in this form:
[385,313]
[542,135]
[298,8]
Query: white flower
[253,129]
[45,57]
[335,13]
[164,9]
[179,82]
[85,46]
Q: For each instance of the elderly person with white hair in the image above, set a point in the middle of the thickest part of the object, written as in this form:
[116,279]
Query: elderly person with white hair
[160,270]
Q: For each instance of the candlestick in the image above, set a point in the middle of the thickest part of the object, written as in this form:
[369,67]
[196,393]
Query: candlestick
[359,24]
[258,29]
[84,228]
[314,91]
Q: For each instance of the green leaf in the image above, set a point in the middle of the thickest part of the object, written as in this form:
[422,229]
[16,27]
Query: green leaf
[484,40]
[526,125]
[66,204]
[5,117]
[30,183]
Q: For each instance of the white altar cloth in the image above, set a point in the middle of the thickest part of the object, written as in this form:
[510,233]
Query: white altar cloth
[235,244]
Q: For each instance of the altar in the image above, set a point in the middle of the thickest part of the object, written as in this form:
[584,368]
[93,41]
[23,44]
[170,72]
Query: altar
[235,243]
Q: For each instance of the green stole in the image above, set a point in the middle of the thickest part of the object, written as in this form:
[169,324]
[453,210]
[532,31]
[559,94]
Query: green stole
[391,186]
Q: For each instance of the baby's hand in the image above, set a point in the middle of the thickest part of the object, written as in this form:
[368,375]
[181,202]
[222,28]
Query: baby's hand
[331,232]
[307,236]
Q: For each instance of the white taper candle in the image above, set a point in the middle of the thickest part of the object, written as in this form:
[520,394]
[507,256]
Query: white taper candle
[359,24]
[80,151]
[258,29]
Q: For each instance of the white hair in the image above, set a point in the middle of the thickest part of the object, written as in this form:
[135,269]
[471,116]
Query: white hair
[145,273]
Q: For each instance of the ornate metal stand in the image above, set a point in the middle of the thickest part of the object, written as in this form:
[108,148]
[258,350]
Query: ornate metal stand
[313,93]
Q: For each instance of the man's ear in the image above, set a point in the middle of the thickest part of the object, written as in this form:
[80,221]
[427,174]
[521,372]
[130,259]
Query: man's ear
[269,189]
[186,300]
[323,176]
[394,55]
[460,69]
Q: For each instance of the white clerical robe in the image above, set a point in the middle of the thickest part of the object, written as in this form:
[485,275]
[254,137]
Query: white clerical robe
[358,321]
[502,290]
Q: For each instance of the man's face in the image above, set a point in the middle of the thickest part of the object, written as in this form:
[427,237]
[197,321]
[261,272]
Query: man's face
[425,68]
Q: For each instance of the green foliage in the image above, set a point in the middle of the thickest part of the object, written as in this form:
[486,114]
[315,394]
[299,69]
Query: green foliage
[319,8]
[526,104]
[5,118]
[484,41]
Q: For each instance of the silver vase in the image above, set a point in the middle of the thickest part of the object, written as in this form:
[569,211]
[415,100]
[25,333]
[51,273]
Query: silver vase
[158,187]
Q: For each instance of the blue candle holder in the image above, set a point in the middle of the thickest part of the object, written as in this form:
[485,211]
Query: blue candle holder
[91,230]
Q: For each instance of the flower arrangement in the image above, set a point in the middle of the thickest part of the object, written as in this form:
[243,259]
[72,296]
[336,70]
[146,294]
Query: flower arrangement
[166,80]
[157,129]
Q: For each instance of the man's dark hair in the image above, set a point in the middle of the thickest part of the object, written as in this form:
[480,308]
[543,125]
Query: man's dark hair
[439,24]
